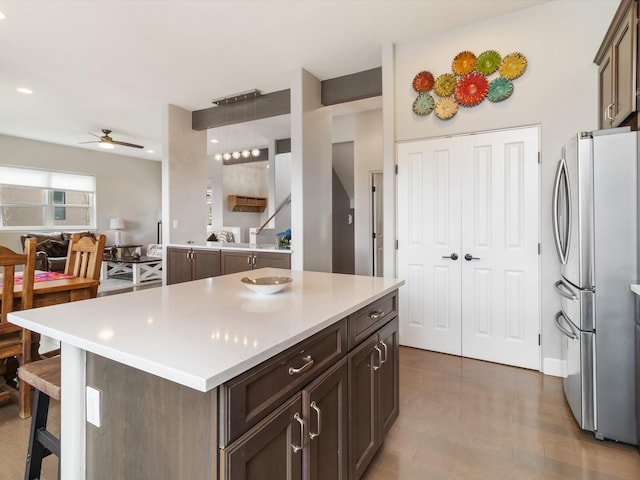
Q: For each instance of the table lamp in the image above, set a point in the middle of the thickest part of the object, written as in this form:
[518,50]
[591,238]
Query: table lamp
[116,224]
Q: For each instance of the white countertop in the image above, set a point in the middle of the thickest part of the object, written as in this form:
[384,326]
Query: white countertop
[203,333]
[635,289]
[262,247]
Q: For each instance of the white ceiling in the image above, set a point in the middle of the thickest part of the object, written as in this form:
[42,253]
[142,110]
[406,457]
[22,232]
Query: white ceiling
[95,64]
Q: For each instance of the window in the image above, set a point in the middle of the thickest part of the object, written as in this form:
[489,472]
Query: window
[32,199]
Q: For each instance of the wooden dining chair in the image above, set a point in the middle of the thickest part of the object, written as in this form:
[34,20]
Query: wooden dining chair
[84,258]
[15,341]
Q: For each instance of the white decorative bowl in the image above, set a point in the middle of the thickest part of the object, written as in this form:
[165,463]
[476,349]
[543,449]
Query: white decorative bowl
[266,285]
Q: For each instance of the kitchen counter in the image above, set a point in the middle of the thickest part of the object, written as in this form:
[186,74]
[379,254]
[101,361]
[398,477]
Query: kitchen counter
[191,337]
[215,328]
[257,247]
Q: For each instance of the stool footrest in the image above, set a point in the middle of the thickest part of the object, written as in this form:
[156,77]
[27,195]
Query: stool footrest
[49,442]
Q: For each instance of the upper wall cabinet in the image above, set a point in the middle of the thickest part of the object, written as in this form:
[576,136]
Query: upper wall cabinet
[617,62]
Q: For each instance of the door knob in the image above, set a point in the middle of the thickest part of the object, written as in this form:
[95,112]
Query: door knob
[468,257]
[453,256]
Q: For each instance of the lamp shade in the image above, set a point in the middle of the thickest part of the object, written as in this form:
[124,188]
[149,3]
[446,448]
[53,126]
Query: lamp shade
[116,224]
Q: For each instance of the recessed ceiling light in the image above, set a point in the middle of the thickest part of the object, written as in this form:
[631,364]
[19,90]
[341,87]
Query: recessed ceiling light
[24,90]
[214,140]
[151,151]
[2,16]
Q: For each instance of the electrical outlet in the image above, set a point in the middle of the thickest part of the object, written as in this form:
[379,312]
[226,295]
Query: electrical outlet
[93,406]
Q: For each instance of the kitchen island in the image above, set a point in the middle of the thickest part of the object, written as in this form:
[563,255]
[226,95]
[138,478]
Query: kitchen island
[206,379]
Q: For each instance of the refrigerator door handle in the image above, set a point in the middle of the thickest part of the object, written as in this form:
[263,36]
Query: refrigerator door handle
[563,290]
[561,173]
[568,332]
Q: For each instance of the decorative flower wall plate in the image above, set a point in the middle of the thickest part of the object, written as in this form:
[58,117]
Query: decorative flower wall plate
[464,63]
[500,89]
[445,84]
[423,105]
[513,65]
[488,62]
[423,82]
[471,89]
[446,108]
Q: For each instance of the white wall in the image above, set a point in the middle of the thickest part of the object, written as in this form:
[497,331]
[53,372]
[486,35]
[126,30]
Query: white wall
[126,187]
[311,178]
[365,130]
[184,178]
[558,91]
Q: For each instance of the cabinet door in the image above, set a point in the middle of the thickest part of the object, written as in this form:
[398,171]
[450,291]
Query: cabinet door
[624,73]
[362,406]
[178,265]
[206,263]
[388,380]
[605,73]
[235,261]
[325,405]
[270,450]
[273,260]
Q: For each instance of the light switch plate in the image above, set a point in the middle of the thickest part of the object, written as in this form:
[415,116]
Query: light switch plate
[93,406]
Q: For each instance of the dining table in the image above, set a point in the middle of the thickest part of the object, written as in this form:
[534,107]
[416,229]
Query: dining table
[50,288]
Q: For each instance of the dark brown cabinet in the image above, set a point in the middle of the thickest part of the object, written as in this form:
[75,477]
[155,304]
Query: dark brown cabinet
[315,411]
[186,264]
[373,395]
[325,405]
[272,449]
[307,438]
[617,72]
[234,261]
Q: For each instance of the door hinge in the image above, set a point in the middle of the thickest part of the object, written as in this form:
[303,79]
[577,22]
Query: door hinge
[373,189]
[396,244]
[539,248]
[396,168]
[373,235]
[539,158]
[539,340]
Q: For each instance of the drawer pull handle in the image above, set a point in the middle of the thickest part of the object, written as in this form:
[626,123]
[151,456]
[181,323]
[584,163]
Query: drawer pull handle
[298,419]
[303,368]
[376,314]
[317,434]
[376,367]
[385,352]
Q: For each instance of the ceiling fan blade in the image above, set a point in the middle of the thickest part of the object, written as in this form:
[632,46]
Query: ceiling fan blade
[93,141]
[97,136]
[125,144]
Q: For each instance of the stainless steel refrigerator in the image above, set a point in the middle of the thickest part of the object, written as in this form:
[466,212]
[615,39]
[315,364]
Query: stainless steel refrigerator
[595,230]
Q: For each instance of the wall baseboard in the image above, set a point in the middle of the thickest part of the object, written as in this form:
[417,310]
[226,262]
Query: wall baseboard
[552,366]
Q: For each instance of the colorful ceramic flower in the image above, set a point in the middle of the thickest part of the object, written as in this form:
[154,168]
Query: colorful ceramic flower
[500,89]
[488,62]
[445,84]
[464,63]
[445,108]
[513,65]
[471,89]
[423,82]
[423,105]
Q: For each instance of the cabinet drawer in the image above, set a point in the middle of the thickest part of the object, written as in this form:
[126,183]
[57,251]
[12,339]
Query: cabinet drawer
[251,396]
[368,319]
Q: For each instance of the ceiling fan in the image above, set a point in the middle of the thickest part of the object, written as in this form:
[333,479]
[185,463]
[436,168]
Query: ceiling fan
[109,143]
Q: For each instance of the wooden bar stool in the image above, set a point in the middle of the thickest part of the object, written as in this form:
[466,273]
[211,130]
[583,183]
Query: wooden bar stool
[44,376]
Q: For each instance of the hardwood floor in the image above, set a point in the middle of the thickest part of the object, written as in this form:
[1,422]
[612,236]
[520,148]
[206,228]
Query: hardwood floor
[466,419]
[459,419]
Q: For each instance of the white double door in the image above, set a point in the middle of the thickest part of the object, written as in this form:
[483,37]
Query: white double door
[468,233]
